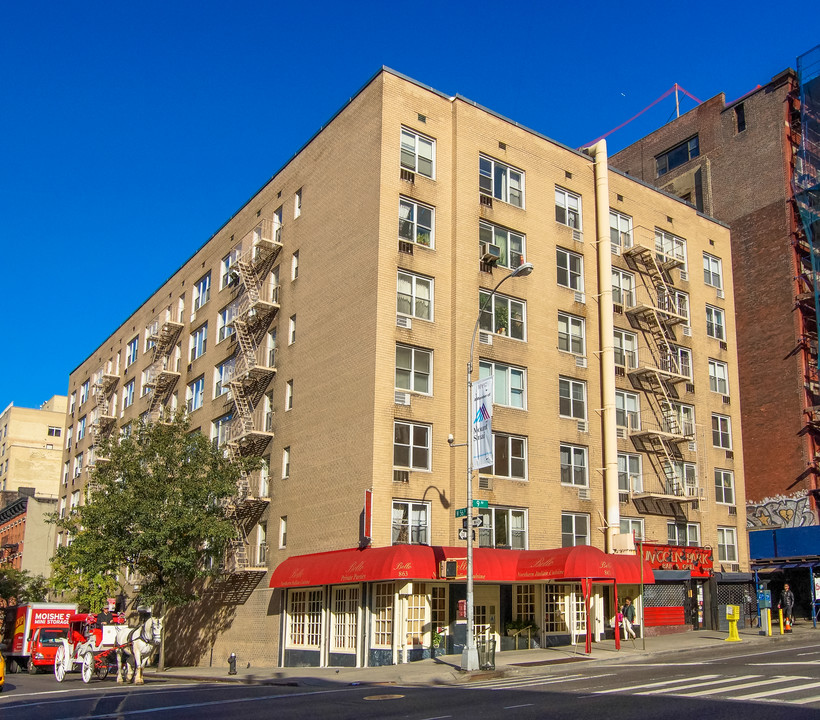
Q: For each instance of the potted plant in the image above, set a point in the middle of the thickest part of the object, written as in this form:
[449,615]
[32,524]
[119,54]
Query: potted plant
[501,319]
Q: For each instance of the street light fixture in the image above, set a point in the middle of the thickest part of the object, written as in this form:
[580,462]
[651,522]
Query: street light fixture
[469,658]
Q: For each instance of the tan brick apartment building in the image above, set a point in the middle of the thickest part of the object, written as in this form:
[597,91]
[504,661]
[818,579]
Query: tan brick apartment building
[327,326]
[737,161]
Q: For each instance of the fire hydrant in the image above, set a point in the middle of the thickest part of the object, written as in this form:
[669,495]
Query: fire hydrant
[232,664]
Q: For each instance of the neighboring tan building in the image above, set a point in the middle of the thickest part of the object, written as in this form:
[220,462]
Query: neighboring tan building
[746,162]
[31,447]
[26,536]
[326,328]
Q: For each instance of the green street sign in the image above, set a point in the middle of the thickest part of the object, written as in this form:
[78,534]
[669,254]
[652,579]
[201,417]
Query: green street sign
[461,512]
[481,503]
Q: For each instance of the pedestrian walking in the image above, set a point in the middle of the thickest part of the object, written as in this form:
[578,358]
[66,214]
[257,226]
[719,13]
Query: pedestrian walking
[628,614]
[787,603]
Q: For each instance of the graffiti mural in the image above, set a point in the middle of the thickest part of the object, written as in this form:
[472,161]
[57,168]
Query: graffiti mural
[781,511]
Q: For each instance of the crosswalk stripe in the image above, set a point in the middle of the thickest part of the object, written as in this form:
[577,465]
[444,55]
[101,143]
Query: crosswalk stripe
[805,701]
[781,691]
[742,686]
[649,685]
[528,680]
[698,684]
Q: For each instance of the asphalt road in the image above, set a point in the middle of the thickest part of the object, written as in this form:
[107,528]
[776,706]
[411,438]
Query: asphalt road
[731,683]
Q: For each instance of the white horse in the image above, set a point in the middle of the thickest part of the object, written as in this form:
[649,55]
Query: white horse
[139,643]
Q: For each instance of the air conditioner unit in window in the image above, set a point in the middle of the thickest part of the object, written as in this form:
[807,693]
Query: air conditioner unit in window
[620,432]
[723,345]
[402,476]
[684,275]
[701,492]
[577,236]
[404,322]
[402,398]
[616,249]
[730,455]
[687,330]
[490,253]
[485,483]
[692,447]
[727,400]
[583,426]
[408,175]
[485,338]
[580,298]
[618,309]
[690,387]
[447,569]
[583,493]
[406,589]
[623,497]
[721,294]
[580,362]
[732,510]
[486,200]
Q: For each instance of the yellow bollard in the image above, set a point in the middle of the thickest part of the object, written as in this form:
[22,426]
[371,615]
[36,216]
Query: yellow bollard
[733,615]
[769,622]
[780,614]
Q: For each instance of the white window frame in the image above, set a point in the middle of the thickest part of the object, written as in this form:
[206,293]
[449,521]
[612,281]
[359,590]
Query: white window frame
[514,449]
[491,171]
[227,262]
[620,229]
[630,472]
[570,384]
[516,537]
[202,291]
[289,395]
[674,301]
[80,428]
[220,429]
[568,208]
[304,618]
[684,416]
[224,328]
[223,374]
[411,141]
[199,341]
[620,294]
[419,441]
[715,323]
[724,487]
[491,315]
[286,461]
[632,526]
[712,271]
[297,203]
[575,519]
[685,478]
[131,355]
[670,247]
[294,265]
[414,372]
[128,394]
[573,279]
[505,239]
[721,431]
[727,544]
[679,362]
[626,348]
[573,334]
[292,329]
[691,530]
[195,394]
[411,226]
[509,383]
[718,377]
[416,301]
[416,529]
[574,464]
[627,410]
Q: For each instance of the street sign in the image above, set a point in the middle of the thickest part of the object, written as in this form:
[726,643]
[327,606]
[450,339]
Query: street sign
[462,534]
[477,522]
[461,512]
[481,503]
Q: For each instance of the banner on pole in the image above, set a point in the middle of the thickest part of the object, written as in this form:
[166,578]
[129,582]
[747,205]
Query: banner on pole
[483,422]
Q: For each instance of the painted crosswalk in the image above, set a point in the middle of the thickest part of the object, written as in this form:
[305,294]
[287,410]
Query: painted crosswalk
[508,683]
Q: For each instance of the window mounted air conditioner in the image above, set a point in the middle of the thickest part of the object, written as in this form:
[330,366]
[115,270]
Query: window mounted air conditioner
[404,322]
[726,400]
[723,345]
[721,294]
[580,298]
[732,510]
[620,433]
[490,253]
[447,569]
[583,494]
[402,398]
[616,249]
[687,330]
[577,236]
[485,338]
[486,200]
[730,455]
[692,447]
[583,426]
[690,387]
[684,275]
[618,309]
[402,476]
[485,483]
[408,175]
[580,362]
[623,497]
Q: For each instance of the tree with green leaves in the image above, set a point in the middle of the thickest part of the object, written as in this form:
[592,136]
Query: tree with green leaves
[20,586]
[157,506]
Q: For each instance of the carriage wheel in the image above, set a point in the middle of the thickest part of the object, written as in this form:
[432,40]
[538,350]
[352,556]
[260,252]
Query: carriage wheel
[101,666]
[60,663]
[88,666]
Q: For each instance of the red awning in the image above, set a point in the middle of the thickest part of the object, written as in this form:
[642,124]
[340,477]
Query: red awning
[420,562]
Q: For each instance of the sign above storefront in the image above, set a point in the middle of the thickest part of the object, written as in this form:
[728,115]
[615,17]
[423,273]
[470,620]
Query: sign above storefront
[698,560]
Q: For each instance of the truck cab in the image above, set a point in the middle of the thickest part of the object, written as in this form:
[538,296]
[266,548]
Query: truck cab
[44,643]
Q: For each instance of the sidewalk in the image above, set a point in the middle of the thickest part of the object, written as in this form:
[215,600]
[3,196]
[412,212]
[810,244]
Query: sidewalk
[445,670]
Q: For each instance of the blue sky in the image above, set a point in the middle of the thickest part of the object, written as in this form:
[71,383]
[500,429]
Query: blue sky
[132,131]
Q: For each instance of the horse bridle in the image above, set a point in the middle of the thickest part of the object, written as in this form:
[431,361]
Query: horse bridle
[141,630]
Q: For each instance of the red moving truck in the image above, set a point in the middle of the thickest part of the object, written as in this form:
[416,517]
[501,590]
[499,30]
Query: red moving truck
[35,634]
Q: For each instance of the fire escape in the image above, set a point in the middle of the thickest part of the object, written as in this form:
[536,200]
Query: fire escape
[104,417]
[256,304]
[163,372]
[658,376]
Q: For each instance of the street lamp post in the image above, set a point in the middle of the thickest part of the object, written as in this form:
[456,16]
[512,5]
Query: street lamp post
[469,658]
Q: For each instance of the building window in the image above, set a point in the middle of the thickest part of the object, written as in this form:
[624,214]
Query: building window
[684,534]
[727,545]
[502,315]
[202,291]
[568,208]
[674,301]
[294,265]
[131,354]
[572,398]
[261,544]
[632,526]
[68,435]
[199,341]
[630,474]
[414,369]
[382,615]
[669,247]
[679,361]
[411,445]
[414,296]
[418,153]
[196,390]
[345,619]
[571,334]
[289,395]
[626,349]
[724,487]
[80,428]
[416,616]
[73,404]
[525,602]
[509,457]
[712,271]
[627,410]
[574,529]
[509,383]
[623,287]
[574,465]
[503,528]
[286,462]
[721,431]
[297,203]
[75,496]
[740,117]
[718,377]
[292,330]
[410,523]
[503,182]
[678,419]
[570,270]
[305,618]
[225,278]
[223,374]
[78,468]
[416,222]
[681,478]
[677,155]
[620,230]
[714,323]
[224,323]
[220,430]
[54,431]
[128,395]
[510,244]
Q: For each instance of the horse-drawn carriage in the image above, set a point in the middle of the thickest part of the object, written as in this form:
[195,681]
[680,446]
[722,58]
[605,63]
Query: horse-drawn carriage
[93,649]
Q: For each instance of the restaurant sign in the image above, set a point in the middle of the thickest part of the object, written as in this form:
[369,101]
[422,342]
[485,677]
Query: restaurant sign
[675,557]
